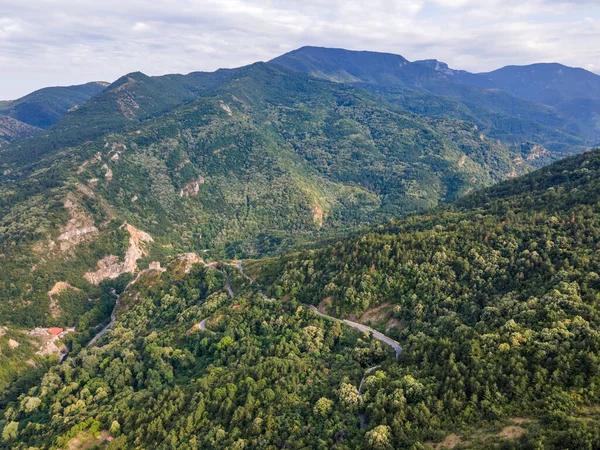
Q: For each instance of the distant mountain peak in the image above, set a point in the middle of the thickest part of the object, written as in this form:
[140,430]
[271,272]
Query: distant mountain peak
[436,65]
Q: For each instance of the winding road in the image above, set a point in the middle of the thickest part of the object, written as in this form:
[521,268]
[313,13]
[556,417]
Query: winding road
[363,328]
[202,325]
[109,325]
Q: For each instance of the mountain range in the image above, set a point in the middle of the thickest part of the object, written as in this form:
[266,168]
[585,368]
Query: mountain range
[378,190]
[550,95]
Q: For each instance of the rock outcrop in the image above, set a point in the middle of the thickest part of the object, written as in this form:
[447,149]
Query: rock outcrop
[79,228]
[110,267]
[192,188]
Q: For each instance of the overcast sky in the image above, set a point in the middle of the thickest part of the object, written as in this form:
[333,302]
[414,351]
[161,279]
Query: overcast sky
[62,42]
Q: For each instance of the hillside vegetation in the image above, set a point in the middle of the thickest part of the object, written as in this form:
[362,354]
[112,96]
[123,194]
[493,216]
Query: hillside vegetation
[405,283]
[239,163]
[494,301]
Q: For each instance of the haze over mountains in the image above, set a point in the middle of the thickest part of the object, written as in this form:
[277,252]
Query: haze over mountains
[572,92]
[308,165]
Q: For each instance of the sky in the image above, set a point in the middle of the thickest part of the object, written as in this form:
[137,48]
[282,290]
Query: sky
[64,42]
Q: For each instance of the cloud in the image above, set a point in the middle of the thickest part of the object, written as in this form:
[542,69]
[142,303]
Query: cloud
[140,26]
[50,42]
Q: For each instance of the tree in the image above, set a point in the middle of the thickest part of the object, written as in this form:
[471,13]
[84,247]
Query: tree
[349,395]
[379,438]
[323,406]
[10,431]
[115,428]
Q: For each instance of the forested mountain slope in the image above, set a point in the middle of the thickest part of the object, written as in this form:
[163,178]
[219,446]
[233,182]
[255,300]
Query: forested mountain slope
[45,107]
[494,301]
[488,98]
[241,162]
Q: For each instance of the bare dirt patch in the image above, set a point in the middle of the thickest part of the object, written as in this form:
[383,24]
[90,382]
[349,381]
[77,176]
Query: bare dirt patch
[450,441]
[393,323]
[85,440]
[377,314]
[318,215]
[219,150]
[325,305]
[512,432]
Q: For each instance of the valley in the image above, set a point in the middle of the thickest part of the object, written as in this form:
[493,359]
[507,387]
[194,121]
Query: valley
[333,249]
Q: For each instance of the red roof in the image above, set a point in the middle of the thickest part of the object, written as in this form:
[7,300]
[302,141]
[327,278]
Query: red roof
[55,330]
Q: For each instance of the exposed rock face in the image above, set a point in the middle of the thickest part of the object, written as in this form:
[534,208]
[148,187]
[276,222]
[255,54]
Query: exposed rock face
[155,265]
[13,344]
[192,188]
[537,151]
[108,172]
[86,190]
[109,267]
[226,108]
[79,228]
[95,159]
[189,259]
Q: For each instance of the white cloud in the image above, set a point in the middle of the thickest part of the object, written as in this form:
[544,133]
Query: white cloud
[49,42]
[140,26]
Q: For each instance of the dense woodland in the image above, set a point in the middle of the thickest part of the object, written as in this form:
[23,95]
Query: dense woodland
[365,201]
[494,301]
[248,163]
